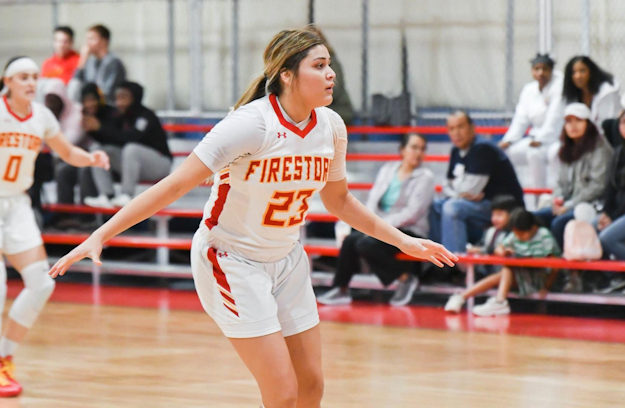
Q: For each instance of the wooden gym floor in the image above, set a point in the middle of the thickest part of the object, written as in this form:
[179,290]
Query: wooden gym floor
[120,347]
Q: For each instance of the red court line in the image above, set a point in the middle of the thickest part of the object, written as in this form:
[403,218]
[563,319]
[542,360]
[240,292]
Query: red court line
[416,317]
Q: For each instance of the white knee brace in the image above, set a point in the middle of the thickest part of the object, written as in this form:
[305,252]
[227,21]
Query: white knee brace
[38,286]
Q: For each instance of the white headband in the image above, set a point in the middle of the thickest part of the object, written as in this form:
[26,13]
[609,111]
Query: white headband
[20,65]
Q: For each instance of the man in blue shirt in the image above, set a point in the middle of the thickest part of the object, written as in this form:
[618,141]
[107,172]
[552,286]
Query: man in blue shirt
[478,171]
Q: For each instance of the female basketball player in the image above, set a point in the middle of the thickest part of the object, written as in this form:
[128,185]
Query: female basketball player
[24,126]
[269,157]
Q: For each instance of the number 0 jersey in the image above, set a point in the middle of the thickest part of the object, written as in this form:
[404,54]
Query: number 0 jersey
[20,143]
[266,170]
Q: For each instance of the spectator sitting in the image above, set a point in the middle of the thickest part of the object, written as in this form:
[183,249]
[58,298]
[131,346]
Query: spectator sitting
[501,207]
[538,109]
[586,83]
[585,155]
[136,145]
[69,115]
[99,65]
[611,222]
[93,106]
[478,171]
[612,128]
[401,195]
[527,239]
[64,62]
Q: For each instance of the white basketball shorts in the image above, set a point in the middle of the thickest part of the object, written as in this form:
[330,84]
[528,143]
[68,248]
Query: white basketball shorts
[19,231]
[252,299]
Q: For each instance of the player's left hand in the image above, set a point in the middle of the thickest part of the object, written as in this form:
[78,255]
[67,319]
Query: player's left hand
[429,251]
[99,158]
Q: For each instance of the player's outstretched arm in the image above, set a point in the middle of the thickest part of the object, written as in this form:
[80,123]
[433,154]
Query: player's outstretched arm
[340,202]
[76,156]
[189,175]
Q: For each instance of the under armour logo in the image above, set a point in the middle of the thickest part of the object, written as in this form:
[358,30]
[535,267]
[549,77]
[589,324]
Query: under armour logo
[222,254]
[283,134]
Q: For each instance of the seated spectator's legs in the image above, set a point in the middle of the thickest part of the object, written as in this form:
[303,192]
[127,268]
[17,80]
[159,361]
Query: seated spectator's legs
[456,214]
[66,178]
[535,158]
[380,256]
[545,216]
[613,238]
[436,211]
[142,163]
[558,225]
[348,263]
[103,179]
[553,167]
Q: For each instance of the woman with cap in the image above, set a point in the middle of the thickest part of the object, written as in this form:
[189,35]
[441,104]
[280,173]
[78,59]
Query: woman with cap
[585,155]
[24,126]
[538,110]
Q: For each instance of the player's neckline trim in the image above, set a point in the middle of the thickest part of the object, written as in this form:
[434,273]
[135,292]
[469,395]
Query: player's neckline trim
[301,133]
[15,115]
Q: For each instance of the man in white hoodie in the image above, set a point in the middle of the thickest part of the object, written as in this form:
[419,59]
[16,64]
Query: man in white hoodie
[539,110]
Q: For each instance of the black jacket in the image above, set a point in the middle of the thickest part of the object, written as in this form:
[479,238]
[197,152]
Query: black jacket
[137,125]
[106,115]
[615,185]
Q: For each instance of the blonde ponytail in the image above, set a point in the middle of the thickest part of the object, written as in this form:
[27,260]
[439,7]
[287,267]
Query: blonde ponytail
[285,51]
[255,91]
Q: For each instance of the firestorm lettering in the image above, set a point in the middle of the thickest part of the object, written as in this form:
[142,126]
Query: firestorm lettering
[307,159]
[318,168]
[20,141]
[286,175]
[274,168]
[250,170]
[289,168]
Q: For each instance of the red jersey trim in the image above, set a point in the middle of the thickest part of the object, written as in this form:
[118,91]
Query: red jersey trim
[218,207]
[301,133]
[6,103]
[220,277]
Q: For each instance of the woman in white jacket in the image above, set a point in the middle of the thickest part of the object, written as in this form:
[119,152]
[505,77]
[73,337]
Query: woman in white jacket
[539,110]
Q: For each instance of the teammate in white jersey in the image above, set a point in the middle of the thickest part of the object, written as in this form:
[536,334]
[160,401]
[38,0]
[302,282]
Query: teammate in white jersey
[269,156]
[24,127]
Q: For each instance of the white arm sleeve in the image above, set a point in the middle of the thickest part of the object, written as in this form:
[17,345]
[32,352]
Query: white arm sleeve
[337,167]
[51,125]
[240,133]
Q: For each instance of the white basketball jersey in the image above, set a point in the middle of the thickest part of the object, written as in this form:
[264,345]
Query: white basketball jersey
[260,199]
[20,143]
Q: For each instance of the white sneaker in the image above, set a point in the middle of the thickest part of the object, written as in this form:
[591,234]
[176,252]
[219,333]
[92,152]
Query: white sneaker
[455,303]
[335,297]
[121,200]
[492,307]
[100,201]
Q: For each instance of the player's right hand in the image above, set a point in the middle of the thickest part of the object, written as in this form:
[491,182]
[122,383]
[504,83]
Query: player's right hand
[90,248]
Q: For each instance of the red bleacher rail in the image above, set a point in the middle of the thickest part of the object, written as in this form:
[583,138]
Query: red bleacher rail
[427,130]
[185,244]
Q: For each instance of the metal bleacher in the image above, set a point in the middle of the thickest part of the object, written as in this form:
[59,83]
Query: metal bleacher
[364,160]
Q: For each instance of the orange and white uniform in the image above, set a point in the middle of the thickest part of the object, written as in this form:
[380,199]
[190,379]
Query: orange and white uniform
[21,140]
[251,272]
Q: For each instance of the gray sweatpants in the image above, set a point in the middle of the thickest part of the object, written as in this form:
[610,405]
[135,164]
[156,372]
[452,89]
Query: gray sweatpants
[134,162]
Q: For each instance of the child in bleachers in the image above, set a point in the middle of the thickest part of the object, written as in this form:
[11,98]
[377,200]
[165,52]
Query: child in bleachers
[501,207]
[527,239]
